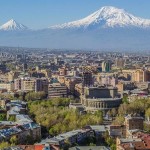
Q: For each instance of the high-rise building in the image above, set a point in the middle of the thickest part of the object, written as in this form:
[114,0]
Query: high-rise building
[106,66]
[25,66]
[87,78]
[55,60]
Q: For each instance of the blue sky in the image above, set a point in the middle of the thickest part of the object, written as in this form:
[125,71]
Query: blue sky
[44,13]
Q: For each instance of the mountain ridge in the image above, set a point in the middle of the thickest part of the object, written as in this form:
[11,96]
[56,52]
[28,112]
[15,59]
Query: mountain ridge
[105,17]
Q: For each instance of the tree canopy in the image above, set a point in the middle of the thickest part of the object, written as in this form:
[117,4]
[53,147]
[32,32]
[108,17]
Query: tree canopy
[55,115]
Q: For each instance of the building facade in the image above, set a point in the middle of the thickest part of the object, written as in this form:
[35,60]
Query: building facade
[100,98]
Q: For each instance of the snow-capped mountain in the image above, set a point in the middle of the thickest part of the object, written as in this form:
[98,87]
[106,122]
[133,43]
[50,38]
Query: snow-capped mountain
[107,16]
[108,28]
[12,25]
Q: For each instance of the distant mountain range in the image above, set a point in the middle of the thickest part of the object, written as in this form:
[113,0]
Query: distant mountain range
[108,28]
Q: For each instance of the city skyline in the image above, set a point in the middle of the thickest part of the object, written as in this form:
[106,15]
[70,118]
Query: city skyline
[41,14]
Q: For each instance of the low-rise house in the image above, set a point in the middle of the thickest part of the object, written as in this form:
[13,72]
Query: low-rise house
[127,144]
[117,131]
[16,110]
[23,119]
[133,123]
[6,124]
[89,148]
[22,132]
[98,130]
[134,97]
[75,136]
[16,103]
[16,107]
[139,141]
[35,130]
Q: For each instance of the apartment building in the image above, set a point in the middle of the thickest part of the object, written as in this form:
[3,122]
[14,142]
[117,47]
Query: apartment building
[57,90]
[31,84]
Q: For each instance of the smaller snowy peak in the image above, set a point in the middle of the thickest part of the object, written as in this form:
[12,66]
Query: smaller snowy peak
[12,25]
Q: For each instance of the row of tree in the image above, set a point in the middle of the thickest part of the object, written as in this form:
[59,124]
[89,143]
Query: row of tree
[25,96]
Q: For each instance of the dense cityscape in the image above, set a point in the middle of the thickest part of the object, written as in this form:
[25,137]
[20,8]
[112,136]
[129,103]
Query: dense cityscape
[65,99]
[74,75]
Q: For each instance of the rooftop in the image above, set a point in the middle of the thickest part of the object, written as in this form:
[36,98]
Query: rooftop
[128,117]
[23,119]
[89,148]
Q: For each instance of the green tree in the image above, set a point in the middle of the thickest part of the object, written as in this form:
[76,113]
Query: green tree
[61,119]
[114,112]
[119,120]
[125,99]
[60,101]
[14,140]
[92,144]
[146,127]
[31,96]
[113,147]
[4,145]
[147,114]
[2,117]
[122,110]
[12,118]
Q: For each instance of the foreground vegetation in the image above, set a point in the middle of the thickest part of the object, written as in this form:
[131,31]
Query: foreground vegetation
[57,118]
[140,106]
[12,142]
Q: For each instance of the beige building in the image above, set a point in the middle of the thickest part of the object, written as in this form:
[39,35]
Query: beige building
[61,79]
[9,86]
[28,85]
[46,72]
[125,85]
[70,82]
[140,75]
[13,75]
[31,84]
[78,89]
[62,71]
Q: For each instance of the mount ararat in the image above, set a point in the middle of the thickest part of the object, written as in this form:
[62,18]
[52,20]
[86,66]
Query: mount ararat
[108,28]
